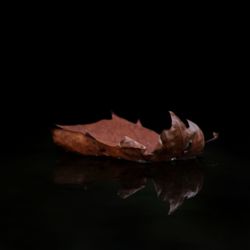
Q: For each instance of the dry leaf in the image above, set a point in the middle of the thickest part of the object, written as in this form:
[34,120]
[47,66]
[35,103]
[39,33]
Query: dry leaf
[120,138]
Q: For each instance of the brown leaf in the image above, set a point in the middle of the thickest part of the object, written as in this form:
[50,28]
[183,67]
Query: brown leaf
[120,138]
[179,141]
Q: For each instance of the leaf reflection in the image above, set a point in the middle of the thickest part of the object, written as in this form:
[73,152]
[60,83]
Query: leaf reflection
[174,182]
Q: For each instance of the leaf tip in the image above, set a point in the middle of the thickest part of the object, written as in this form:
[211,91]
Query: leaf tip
[138,123]
[171,112]
[114,116]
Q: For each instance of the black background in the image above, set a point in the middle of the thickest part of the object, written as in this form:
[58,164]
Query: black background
[46,84]
[58,72]
[63,68]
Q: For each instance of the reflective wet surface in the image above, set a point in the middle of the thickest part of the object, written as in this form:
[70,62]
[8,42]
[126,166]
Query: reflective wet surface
[173,182]
[50,200]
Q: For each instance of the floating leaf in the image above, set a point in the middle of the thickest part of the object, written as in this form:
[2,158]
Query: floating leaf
[120,138]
